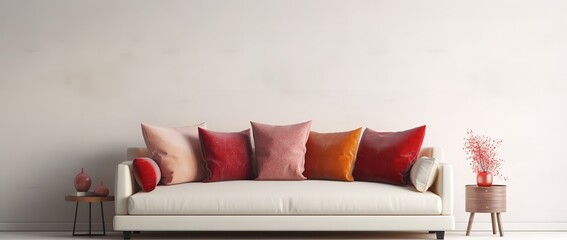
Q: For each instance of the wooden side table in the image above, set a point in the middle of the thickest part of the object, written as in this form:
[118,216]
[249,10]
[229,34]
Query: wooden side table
[486,200]
[89,199]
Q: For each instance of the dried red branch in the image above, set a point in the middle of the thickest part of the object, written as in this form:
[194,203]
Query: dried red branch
[482,154]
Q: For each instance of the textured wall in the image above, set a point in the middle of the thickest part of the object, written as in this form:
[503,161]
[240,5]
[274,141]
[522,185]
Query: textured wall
[78,77]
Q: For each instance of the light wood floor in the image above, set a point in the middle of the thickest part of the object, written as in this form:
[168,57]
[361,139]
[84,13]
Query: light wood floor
[290,235]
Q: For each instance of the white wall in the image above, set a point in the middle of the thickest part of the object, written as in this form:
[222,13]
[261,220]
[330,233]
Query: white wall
[78,77]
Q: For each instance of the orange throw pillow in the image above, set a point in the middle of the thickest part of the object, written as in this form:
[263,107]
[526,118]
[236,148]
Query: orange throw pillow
[331,155]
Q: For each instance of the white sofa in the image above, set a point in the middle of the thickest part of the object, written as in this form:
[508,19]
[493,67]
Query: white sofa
[309,205]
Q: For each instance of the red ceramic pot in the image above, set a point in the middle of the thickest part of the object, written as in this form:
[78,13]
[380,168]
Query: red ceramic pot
[82,181]
[484,179]
[101,190]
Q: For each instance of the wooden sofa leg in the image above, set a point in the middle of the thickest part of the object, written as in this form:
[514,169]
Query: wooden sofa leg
[440,234]
[127,234]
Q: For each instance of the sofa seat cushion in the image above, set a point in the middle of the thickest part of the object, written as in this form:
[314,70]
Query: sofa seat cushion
[284,197]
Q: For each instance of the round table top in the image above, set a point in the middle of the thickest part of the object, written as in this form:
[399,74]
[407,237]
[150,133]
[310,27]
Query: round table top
[73,198]
[493,185]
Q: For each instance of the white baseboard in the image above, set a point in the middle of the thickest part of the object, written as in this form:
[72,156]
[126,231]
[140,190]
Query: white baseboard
[80,228]
[514,226]
[459,226]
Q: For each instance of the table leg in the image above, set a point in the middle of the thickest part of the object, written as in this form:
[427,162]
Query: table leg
[500,225]
[102,214]
[90,234]
[75,221]
[493,218]
[471,219]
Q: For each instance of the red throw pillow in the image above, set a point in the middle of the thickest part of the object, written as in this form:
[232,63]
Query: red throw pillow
[387,156]
[228,156]
[147,173]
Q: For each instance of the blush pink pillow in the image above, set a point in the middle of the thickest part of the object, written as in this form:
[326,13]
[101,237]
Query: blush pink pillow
[280,150]
[177,151]
[147,173]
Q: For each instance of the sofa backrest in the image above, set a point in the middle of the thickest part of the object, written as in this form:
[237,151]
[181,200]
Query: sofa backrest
[431,152]
[136,152]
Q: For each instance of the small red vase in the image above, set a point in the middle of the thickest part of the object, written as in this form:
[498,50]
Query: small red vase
[484,179]
[101,190]
[82,181]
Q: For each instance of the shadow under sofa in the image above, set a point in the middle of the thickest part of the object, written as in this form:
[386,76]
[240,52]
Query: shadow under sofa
[308,205]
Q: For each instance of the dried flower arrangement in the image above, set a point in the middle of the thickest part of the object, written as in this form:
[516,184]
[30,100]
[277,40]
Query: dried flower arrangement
[482,153]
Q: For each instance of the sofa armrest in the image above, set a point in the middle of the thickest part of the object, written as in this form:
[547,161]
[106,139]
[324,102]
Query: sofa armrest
[125,187]
[443,186]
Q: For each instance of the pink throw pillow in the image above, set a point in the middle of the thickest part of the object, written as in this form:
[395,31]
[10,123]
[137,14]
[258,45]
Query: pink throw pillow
[147,173]
[280,150]
[177,151]
[228,156]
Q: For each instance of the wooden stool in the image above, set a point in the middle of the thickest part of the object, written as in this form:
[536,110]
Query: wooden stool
[486,200]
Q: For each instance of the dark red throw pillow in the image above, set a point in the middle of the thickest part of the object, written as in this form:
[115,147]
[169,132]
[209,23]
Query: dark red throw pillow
[228,156]
[147,173]
[387,156]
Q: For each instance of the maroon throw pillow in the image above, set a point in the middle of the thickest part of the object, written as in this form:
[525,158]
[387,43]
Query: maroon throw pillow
[387,156]
[228,156]
[147,173]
